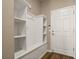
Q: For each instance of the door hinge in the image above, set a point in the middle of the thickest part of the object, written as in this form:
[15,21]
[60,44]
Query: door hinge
[73,49]
[73,12]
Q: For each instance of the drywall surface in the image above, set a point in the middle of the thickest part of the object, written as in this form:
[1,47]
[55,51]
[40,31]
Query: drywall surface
[7,30]
[48,5]
[35,6]
[36,54]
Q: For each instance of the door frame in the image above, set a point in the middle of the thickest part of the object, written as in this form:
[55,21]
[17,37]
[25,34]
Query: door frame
[74,52]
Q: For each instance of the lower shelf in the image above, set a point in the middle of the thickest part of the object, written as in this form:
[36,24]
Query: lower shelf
[19,53]
[23,52]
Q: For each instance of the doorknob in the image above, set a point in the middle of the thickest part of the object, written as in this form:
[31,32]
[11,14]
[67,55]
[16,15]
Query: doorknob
[52,31]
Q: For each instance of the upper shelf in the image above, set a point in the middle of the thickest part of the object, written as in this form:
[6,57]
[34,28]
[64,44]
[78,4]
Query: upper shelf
[20,8]
[19,36]
[19,19]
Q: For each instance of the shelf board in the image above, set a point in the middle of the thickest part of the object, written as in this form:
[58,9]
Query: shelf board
[19,36]
[19,19]
[18,54]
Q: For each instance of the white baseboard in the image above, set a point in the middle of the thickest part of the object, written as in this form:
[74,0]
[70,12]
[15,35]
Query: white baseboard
[60,53]
[42,54]
[49,51]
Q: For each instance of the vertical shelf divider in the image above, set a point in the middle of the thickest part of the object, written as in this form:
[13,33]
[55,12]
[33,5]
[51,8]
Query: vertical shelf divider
[44,29]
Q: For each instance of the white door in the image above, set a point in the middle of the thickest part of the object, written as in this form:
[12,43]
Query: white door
[63,30]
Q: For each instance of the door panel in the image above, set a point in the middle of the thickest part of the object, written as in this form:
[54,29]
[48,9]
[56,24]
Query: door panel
[58,40]
[58,25]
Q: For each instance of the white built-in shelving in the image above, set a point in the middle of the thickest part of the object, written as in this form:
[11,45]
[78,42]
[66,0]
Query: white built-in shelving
[19,34]
[26,29]
[20,11]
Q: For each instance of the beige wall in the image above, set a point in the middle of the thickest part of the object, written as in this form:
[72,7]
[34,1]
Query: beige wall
[35,6]
[7,30]
[48,5]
